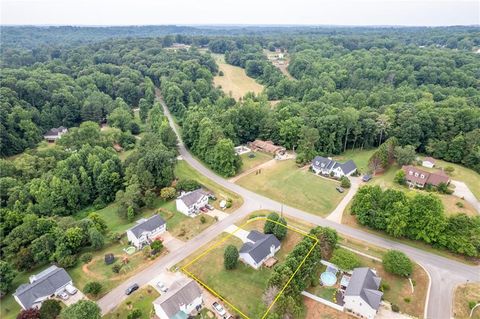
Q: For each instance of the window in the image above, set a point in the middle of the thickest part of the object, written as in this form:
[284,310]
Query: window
[416,174]
[422,176]
[410,173]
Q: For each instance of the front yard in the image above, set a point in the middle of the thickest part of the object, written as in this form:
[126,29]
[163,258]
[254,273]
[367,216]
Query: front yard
[299,188]
[141,300]
[251,162]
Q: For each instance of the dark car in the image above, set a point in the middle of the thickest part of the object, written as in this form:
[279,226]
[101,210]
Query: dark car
[131,289]
[366,177]
[339,189]
[212,197]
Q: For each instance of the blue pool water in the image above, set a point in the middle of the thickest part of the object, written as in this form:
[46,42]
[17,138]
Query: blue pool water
[328,279]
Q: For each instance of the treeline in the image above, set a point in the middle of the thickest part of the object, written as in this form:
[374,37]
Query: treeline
[418,217]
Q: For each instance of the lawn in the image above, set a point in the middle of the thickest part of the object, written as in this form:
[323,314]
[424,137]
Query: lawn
[235,81]
[184,171]
[360,157]
[141,299]
[299,188]
[463,295]
[248,163]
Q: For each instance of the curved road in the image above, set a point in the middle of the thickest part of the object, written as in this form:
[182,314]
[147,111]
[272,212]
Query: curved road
[445,273]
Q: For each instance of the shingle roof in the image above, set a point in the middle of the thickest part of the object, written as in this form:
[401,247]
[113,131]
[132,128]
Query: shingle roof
[192,197]
[261,247]
[348,166]
[147,226]
[182,292]
[55,131]
[434,178]
[429,159]
[255,235]
[365,283]
[45,284]
[330,164]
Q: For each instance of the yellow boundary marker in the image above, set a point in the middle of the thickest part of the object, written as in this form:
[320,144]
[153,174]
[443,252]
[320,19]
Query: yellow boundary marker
[184,268]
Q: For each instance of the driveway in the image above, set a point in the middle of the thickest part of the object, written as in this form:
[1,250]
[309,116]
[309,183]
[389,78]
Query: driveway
[237,232]
[217,213]
[462,191]
[74,299]
[336,215]
[167,278]
[171,242]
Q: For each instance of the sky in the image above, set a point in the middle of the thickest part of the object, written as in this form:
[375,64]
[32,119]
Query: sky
[263,12]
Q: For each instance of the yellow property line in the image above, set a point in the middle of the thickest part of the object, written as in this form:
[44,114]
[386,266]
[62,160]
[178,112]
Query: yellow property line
[184,268]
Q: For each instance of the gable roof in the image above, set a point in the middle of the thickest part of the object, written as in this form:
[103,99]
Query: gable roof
[260,248]
[321,162]
[55,131]
[434,178]
[267,146]
[192,197]
[182,292]
[147,225]
[348,166]
[429,159]
[43,285]
[364,283]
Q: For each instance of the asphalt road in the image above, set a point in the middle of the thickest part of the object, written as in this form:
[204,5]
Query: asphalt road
[445,273]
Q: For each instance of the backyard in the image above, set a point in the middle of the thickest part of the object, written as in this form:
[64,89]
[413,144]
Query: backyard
[235,81]
[250,162]
[299,188]
[141,299]
[360,157]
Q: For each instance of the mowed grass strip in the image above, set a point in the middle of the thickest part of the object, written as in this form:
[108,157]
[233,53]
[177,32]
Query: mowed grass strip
[235,82]
[286,183]
[248,162]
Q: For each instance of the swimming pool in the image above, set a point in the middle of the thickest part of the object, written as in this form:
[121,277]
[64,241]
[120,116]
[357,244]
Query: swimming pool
[328,278]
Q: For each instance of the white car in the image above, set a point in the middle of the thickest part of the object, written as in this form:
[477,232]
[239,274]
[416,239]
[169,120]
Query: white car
[162,287]
[219,309]
[71,290]
[63,295]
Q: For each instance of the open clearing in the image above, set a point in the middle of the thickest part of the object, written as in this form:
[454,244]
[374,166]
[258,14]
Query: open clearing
[235,81]
[288,184]
[248,163]
[463,295]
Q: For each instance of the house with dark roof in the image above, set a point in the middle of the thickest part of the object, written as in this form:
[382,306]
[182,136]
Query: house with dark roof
[146,230]
[416,177]
[44,285]
[55,133]
[327,166]
[362,296]
[182,299]
[190,203]
[258,248]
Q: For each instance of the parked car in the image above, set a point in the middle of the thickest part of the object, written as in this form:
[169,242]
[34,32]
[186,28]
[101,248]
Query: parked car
[71,290]
[219,308]
[131,289]
[204,209]
[210,207]
[366,177]
[339,189]
[162,287]
[63,295]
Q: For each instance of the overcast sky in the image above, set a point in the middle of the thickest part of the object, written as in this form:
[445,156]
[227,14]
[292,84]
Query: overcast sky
[317,12]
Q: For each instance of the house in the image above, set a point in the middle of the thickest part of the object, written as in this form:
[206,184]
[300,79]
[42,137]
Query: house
[190,203]
[146,230]
[55,133]
[416,177]
[327,166]
[258,248]
[428,162]
[183,298]
[267,146]
[362,295]
[44,285]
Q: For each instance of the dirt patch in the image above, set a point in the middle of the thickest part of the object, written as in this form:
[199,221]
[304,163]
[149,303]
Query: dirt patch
[316,310]
[463,295]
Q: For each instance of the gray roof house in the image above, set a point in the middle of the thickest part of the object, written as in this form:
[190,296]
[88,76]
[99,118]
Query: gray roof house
[258,248]
[183,297]
[327,166]
[55,133]
[191,202]
[362,295]
[146,230]
[42,286]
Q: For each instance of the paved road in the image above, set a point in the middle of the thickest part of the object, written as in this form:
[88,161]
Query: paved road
[462,191]
[445,273]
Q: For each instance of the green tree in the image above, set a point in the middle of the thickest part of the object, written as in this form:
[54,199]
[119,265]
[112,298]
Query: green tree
[156,245]
[120,118]
[344,259]
[7,275]
[93,288]
[345,182]
[50,309]
[134,314]
[97,240]
[81,310]
[31,313]
[405,155]
[230,257]
[400,177]
[397,263]
[168,193]
[225,161]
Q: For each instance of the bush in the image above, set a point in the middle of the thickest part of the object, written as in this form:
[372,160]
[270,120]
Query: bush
[50,309]
[406,299]
[459,204]
[449,170]
[442,188]
[229,203]
[134,314]
[156,246]
[116,268]
[397,263]
[344,259]
[168,193]
[187,185]
[400,177]
[395,308]
[384,286]
[93,288]
[31,313]
[67,261]
[230,257]
[471,304]
[345,182]
[203,220]
[220,73]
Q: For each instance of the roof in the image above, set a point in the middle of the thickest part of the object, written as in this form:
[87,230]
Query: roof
[182,292]
[365,283]
[192,197]
[43,285]
[267,146]
[429,159]
[321,162]
[260,248]
[55,131]
[422,177]
[147,225]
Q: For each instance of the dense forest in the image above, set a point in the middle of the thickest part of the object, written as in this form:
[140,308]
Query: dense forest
[350,88]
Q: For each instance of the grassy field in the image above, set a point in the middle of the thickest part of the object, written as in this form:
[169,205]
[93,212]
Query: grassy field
[290,185]
[141,299]
[235,81]
[463,295]
[185,171]
[248,163]
[360,157]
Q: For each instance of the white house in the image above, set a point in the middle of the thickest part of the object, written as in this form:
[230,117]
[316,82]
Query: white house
[258,248]
[55,133]
[326,166]
[362,296]
[183,298]
[146,230]
[190,203]
[44,285]
[428,162]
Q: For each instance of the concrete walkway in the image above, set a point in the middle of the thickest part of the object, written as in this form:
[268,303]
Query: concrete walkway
[462,191]
[237,232]
[217,213]
[336,215]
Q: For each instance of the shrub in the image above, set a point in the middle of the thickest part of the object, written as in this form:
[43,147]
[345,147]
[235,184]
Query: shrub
[50,309]
[187,185]
[443,189]
[203,220]
[229,203]
[449,170]
[406,299]
[395,308]
[134,314]
[93,288]
[345,182]
[30,313]
[384,286]
[471,304]
[168,193]
[230,257]
[400,177]
[116,268]
[156,245]
[459,204]
[344,259]
[273,225]
[220,73]
[397,263]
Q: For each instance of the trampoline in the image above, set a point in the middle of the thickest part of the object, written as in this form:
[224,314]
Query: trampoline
[328,278]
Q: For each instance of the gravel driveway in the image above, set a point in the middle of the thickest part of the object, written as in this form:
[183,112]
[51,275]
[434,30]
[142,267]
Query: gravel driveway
[462,191]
